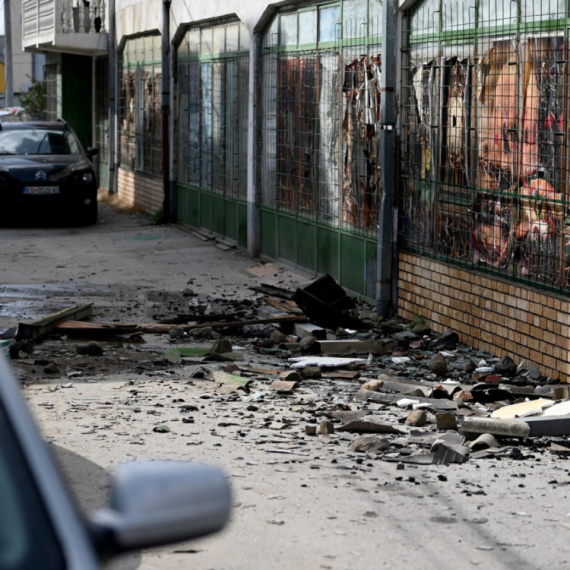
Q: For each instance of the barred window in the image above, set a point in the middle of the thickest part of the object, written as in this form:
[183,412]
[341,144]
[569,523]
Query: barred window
[140,124]
[212,108]
[319,114]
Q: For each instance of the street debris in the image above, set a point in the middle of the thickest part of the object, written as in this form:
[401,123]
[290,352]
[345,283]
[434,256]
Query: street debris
[327,304]
[33,330]
[324,361]
[316,367]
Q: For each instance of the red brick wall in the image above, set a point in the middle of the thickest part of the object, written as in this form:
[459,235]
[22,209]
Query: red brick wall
[506,318]
[140,191]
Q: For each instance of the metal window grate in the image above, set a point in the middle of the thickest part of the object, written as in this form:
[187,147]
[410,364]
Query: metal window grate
[139,105]
[485,109]
[319,118]
[212,98]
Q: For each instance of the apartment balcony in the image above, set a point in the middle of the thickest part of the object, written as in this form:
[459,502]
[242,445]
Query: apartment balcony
[61,26]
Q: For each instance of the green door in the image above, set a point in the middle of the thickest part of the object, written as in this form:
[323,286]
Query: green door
[76,96]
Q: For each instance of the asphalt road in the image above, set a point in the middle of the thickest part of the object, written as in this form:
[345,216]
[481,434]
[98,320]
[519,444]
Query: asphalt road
[300,501]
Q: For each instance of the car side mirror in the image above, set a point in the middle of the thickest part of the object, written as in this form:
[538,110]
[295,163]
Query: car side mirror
[161,502]
[92,151]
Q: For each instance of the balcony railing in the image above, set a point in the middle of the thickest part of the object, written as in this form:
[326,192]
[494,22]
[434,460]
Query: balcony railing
[61,25]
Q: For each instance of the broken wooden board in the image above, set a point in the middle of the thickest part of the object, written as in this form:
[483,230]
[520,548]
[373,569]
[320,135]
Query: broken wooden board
[31,330]
[285,306]
[383,398]
[187,318]
[93,329]
[342,375]
[78,327]
[273,291]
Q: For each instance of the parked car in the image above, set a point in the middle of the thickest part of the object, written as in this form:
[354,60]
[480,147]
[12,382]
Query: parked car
[43,166]
[152,503]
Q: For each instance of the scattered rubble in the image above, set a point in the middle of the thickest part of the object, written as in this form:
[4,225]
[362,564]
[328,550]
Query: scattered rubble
[314,362]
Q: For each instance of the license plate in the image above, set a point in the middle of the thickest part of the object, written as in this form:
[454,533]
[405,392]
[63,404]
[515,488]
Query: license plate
[41,190]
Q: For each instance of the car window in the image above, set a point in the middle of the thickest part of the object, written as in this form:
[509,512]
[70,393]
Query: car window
[27,539]
[38,141]
[73,143]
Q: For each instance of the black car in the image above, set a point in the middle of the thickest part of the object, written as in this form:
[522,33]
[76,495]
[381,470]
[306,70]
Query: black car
[43,166]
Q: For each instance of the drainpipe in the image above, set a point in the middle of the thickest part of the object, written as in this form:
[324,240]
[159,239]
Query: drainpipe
[386,249]
[167,203]
[253,198]
[8,61]
[112,101]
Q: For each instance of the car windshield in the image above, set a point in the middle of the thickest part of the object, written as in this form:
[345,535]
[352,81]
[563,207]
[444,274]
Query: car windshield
[27,539]
[38,141]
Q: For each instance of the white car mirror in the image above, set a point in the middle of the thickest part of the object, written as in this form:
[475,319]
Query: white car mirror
[156,503]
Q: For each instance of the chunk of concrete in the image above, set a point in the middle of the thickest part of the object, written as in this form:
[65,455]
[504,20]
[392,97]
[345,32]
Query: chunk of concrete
[303,330]
[370,444]
[495,426]
[283,387]
[325,427]
[446,421]
[417,418]
[372,385]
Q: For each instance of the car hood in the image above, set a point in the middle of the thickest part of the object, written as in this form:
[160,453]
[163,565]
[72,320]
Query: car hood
[42,168]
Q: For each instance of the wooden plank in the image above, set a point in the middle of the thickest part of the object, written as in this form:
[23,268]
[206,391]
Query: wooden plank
[284,306]
[342,375]
[71,327]
[31,330]
[273,290]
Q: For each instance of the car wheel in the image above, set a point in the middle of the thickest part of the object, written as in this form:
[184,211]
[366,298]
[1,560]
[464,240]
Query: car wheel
[90,214]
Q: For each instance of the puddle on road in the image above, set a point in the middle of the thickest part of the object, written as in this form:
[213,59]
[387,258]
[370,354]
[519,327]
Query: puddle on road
[31,302]
[29,310]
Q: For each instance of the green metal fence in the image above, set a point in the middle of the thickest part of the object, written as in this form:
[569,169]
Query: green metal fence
[318,133]
[212,82]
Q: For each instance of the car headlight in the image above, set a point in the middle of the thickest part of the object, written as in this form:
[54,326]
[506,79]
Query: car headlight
[83,176]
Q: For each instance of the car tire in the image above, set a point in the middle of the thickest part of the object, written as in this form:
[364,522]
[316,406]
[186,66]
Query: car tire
[90,214]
